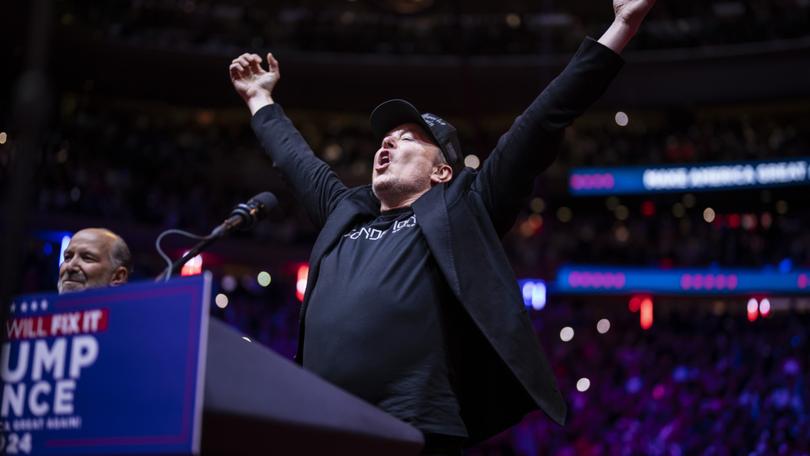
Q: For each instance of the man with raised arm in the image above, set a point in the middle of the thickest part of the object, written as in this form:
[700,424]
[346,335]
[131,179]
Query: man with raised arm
[411,303]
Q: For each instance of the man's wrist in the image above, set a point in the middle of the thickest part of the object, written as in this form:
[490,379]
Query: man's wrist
[630,24]
[258,101]
[618,35]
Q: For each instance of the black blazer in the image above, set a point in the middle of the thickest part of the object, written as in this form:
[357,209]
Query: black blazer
[501,369]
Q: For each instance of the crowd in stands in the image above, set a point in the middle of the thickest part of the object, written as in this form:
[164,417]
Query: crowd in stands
[697,382]
[267,315]
[137,167]
[683,137]
[691,384]
[385,28]
[670,235]
[187,169]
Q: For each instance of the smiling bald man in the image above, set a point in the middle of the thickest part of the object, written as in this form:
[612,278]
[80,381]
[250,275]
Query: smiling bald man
[94,258]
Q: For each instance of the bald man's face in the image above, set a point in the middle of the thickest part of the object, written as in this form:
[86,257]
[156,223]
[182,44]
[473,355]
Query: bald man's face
[88,263]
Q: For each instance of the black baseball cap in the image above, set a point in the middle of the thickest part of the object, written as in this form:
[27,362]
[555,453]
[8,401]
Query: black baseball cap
[393,113]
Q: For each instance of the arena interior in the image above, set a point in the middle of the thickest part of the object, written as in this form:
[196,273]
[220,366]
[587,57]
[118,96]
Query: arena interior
[664,258]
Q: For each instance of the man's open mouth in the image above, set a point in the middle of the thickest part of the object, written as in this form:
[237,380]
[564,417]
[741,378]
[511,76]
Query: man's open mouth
[383,159]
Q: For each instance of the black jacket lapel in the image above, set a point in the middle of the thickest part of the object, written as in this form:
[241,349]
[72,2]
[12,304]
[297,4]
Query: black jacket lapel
[431,215]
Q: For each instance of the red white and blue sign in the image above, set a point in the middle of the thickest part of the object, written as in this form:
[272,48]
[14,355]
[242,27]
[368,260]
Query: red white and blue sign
[106,371]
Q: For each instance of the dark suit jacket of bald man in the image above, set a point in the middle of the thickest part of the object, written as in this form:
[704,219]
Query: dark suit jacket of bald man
[501,369]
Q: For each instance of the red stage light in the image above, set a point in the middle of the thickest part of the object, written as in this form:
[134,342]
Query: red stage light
[647,208]
[301,281]
[734,221]
[753,309]
[635,303]
[192,266]
[646,316]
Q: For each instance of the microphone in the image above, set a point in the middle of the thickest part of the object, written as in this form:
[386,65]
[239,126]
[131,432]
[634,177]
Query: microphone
[242,217]
[245,215]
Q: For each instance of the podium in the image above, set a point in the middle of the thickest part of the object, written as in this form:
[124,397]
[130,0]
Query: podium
[140,369]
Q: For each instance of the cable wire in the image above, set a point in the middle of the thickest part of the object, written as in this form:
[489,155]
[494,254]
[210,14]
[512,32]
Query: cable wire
[168,271]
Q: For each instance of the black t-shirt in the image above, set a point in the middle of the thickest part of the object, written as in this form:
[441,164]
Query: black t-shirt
[375,325]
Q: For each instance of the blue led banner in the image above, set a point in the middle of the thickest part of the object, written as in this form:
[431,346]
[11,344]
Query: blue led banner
[106,371]
[680,281]
[694,178]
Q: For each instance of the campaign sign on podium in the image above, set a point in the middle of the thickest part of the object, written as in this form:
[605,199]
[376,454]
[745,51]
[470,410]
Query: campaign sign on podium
[107,371]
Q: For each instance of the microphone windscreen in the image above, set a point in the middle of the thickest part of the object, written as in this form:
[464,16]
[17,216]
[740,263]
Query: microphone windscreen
[264,201]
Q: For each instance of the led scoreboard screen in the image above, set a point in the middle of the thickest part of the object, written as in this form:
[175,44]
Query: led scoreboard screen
[586,279]
[693,178]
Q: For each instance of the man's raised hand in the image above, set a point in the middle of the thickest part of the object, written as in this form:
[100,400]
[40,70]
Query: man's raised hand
[632,12]
[252,82]
[628,17]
